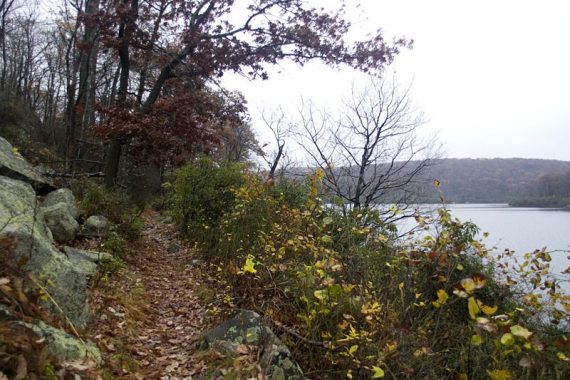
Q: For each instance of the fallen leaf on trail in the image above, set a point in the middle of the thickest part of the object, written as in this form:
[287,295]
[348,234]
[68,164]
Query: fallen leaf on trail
[79,365]
[22,370]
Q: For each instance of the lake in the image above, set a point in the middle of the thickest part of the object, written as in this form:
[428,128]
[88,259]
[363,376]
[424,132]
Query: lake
[521,229]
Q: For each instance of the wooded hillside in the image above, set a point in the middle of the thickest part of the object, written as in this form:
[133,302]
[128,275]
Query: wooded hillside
[488,180]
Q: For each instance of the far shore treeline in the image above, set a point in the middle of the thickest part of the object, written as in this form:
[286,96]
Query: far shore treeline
[520,182]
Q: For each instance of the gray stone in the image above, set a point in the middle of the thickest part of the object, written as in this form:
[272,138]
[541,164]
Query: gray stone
[61,223]
[21,218]
[65,196]
[92,256]
[247,327]
[95,226]
[15,166]
[173,247]
[86,261]
[64,346]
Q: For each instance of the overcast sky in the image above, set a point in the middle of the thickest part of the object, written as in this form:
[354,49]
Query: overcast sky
[492,77]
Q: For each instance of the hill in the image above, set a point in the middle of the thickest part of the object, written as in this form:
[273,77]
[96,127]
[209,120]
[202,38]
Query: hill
[487,180]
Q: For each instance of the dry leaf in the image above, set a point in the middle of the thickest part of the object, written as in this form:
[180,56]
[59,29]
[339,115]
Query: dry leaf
[22,370]
[79,365]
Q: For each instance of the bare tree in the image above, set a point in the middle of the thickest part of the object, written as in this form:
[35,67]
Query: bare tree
[238,142]
[281,130]
[370,153]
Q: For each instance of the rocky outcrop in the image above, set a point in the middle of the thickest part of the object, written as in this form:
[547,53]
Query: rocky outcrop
[14,166]
[95,226]
[62,196]
[248,328]
[28,253]
[60,222]
[22,221]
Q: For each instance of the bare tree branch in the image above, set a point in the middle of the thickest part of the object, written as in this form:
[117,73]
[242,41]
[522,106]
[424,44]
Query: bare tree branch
[371,153]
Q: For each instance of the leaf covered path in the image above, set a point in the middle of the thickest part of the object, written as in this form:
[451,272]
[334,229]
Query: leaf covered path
[148,319]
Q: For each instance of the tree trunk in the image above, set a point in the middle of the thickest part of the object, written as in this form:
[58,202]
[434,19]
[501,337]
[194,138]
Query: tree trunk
[126,29]
[112,166]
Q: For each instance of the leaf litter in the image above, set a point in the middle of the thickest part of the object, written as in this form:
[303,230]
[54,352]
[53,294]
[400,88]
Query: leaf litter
[148,318]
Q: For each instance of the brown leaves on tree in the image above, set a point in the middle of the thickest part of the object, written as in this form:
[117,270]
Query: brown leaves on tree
[168,46]
[186,121]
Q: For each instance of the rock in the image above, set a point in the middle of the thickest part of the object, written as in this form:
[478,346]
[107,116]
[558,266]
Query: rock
[95,226]
[92,256]
[14,166]
[86,261]
[65,196]
[248,328]
[60,222]
[23,222]
[64,346]
[173,247]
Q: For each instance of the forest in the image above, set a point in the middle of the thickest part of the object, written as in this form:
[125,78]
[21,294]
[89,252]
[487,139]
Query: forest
[145,233]
[499,180]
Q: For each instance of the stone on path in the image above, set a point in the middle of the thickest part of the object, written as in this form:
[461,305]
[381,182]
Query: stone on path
[95,226]
[248,328]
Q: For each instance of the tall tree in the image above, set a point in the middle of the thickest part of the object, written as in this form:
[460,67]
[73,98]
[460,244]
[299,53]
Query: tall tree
[205,38]
[6,9]
[83,112]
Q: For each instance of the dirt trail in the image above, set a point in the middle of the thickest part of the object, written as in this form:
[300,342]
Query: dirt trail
[148,319]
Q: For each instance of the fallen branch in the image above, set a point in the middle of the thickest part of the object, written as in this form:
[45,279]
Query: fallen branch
[294,333]
[73,175]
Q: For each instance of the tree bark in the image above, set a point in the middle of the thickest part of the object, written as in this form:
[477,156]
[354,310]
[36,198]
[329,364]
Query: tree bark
[112,165]
[125,31]
[84,104]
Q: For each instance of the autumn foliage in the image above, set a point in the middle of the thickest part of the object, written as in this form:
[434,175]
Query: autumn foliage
[353,301]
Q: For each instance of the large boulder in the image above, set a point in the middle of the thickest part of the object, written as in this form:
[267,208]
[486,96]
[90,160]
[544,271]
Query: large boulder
[14,166]
[248,328]
[95,226]
[65,196]
[22,221]
[60,222]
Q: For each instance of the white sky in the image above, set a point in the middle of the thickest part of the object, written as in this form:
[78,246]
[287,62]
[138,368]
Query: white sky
[492,77]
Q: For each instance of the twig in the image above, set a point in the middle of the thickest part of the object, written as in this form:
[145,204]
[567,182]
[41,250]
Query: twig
[290,331]
[58,308]
[73,175]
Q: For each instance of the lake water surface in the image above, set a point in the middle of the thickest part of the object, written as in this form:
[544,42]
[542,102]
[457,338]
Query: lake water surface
[522,230]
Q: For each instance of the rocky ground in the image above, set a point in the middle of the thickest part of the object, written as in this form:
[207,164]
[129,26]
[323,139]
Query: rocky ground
[70,310]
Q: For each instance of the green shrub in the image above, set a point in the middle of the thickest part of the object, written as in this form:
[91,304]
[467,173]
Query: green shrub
[365,303]
[114,242]
[291,191]
[202,192]
[95,199]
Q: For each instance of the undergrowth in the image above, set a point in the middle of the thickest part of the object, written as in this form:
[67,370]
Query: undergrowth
[364,304]
[123,214]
